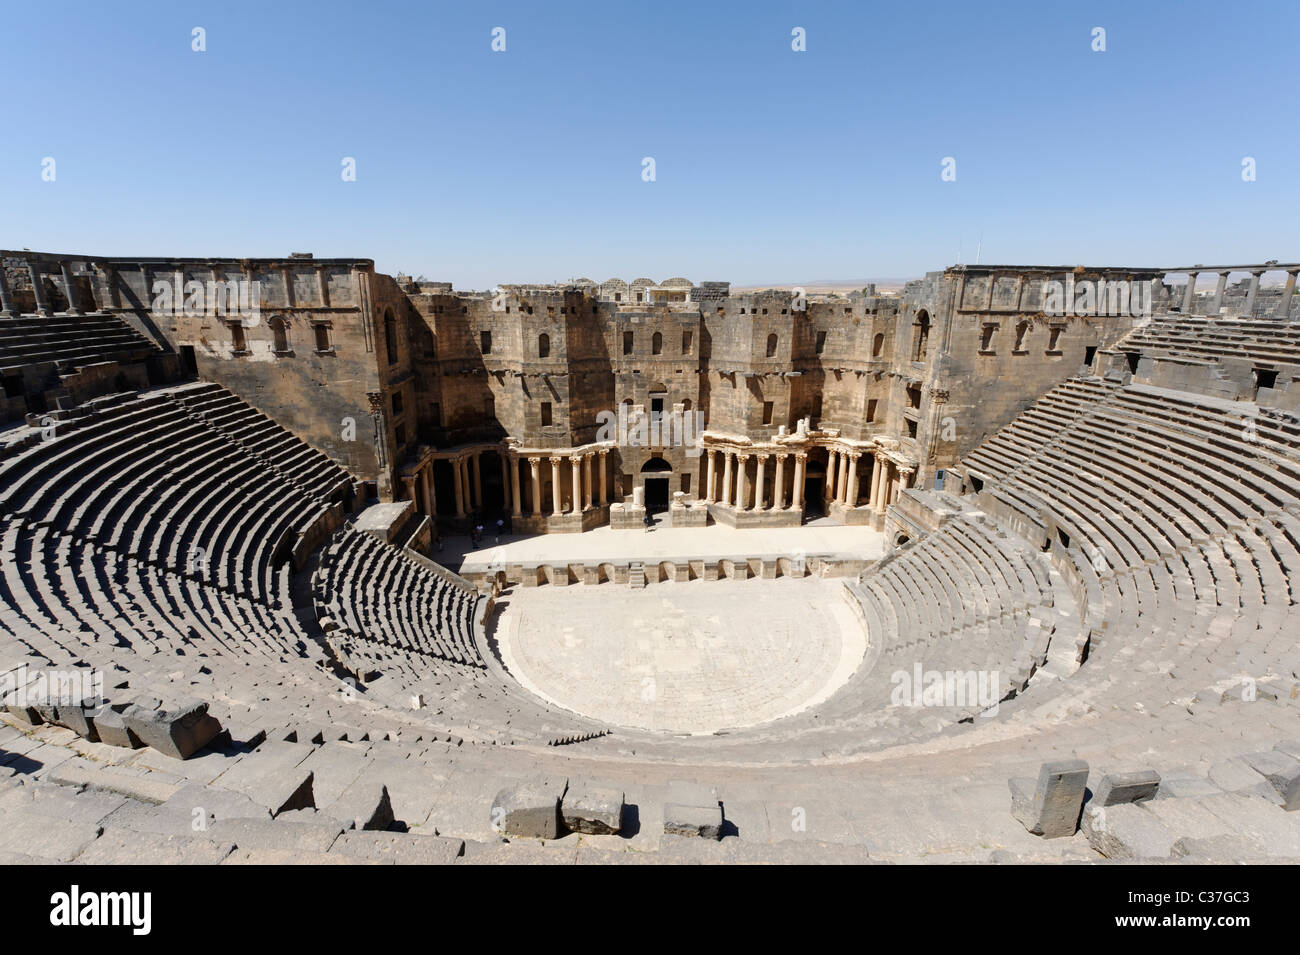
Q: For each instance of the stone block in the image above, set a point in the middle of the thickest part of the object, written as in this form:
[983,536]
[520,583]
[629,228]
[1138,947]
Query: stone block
[365,804]
[178,730]
[691,809]
[1125,830]
[112,729]
[592,809]
[1283,774]
[1050,806]
[1117,788]
[530,808]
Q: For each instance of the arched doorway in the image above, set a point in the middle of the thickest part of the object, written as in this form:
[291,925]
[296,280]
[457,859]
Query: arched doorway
[655,473]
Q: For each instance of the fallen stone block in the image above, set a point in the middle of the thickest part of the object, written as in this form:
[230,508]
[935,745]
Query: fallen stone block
[704,822]
[592,809]
[270,776]
[80,718]
[1126,830]
[1283,774]
[530,808]
[1117,788]
[179,730]
[1050,806]
[112,728]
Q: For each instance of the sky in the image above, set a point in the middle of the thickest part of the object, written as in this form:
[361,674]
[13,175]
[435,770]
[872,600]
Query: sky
[771,165]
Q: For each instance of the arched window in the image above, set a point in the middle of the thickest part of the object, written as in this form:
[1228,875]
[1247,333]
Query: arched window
[657,344]
[877,345]
[280,332]
[390,335]
[543,345]
[771,346]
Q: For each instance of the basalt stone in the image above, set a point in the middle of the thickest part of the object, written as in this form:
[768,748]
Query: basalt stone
[592,809]
[1050,806]
[178,730]
[1118,788]
[530,809]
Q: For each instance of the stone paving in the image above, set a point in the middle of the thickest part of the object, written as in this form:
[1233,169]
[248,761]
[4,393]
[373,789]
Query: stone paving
[685,658]
[663,543]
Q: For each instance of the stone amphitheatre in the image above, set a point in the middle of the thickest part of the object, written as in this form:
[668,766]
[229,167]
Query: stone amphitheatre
[303,562]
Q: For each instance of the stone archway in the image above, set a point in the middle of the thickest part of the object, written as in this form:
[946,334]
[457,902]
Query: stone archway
[655,475]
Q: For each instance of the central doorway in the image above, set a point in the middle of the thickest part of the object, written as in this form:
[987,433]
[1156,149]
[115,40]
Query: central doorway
[656,473]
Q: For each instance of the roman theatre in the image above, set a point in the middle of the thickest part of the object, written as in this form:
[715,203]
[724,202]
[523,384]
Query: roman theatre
[999,565]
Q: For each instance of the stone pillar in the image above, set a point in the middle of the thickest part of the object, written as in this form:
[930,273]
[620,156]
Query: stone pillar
[575,462]
[742,483]
[555,486]
[38,289]
[464,474]
[6,300]
[828,492]
[428,491]
[778,493]
[842,482]
[882,485]
[111,286]
[1217,302]
[1249,310]
[851,488]
[586,482]
[604,471]
[800,473]
[322,289]
[760,490]
[1288,290]
[69,288]
[516,505]
[458,486]
[726,477]
[708,482]
[535,485]
[478,479]
[1189,293]
[876,468]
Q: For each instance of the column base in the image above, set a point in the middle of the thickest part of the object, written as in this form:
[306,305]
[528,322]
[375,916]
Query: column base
[860,515]
[734,517]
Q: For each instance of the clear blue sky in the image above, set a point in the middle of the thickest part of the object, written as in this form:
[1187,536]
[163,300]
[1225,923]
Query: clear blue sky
[772,166]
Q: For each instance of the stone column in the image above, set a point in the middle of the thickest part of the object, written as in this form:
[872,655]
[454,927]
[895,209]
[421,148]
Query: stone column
[586,482]
[726,477]
[516,505]
[535,485]
[708,483]
[851,488]
[458,486]
[742,483]
[828,492]
[322,289]
[38,289]
[478,479]
[1249,310]
[69,288]
[1288,290]
[464,474]
[427,485]
[1189,293]
[778,493]
[555,486]
[760,491]
[875,481]
[1217,302]
[842,482]
[881,483]
[800,473]
[575,463]
[604,470]
[6,300]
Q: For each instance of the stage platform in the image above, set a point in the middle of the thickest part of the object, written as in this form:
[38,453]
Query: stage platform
[822,548]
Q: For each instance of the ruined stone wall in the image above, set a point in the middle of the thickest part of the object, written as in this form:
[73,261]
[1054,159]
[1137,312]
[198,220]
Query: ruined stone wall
[310,353]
